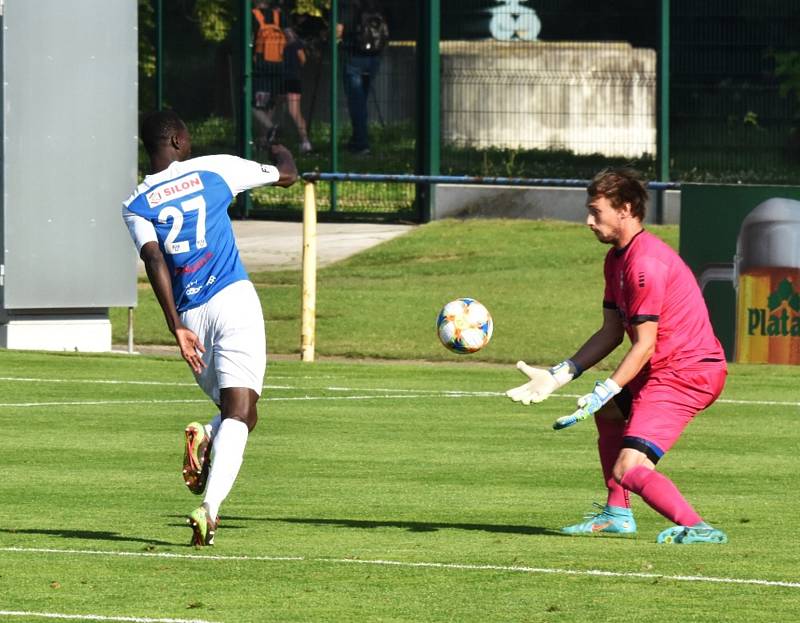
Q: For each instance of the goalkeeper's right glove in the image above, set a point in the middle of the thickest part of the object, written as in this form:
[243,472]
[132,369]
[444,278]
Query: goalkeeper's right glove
[543,382]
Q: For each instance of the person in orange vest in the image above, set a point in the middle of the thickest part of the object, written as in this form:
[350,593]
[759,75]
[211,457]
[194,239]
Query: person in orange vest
[269,42]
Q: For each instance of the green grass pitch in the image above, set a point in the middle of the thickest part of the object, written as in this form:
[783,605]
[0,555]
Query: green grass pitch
[377,492]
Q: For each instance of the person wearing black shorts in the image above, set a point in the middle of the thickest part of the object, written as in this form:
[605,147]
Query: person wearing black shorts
[294,57]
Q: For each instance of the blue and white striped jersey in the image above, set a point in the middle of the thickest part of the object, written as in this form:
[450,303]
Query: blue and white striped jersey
[185,209]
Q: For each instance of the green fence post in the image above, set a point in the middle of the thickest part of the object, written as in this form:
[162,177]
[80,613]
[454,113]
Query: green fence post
[334,99]
[428,124]
[662,107]
[245,113]
[159,54]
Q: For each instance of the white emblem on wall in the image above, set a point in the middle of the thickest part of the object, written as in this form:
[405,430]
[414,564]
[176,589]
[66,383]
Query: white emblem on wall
[511,21]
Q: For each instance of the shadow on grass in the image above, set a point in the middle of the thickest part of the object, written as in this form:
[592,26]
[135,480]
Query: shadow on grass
[411,526]
[90,535]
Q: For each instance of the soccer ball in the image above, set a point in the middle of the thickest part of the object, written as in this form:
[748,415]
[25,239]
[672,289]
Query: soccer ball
[464,326]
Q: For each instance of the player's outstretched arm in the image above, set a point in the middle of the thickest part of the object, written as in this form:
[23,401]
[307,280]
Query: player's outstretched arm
[158,274]
[284,162]
[642,348]
[603,342]
[542,382]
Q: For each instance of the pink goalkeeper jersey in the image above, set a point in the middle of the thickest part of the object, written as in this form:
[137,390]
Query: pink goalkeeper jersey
[647,280]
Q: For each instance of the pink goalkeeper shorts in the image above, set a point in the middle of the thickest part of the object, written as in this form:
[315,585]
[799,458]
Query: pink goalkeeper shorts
[665,401]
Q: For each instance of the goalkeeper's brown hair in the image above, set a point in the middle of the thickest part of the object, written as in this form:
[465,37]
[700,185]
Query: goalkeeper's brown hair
[620,186]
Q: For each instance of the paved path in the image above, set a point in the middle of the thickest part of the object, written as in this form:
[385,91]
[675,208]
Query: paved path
[276,245]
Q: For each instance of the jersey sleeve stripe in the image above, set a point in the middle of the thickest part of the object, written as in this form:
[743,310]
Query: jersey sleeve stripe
[644,318]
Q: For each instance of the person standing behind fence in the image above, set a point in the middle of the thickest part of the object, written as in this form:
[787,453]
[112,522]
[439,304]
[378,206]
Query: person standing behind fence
[268,53]
[364,33]
[294,57]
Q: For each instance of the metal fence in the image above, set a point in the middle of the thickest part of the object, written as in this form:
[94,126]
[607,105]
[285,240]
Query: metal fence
[730,120]
[527,88]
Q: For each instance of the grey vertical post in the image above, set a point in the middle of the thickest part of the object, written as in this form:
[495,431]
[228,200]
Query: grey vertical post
[67,165]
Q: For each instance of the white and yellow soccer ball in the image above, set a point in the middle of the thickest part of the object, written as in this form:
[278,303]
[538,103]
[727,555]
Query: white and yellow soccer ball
[464,326]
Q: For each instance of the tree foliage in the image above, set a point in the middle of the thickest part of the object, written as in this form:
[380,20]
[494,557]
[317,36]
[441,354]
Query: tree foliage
[317,8]
[147,49]
[214,18]
[787,69]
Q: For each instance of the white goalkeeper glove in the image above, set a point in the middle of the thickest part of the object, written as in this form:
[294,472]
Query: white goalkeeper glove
[590,404]
[603,392]
[542,382]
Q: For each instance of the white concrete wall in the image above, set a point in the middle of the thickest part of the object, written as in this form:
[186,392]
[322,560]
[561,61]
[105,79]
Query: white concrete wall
[583,97]
[564,204]
[595,97]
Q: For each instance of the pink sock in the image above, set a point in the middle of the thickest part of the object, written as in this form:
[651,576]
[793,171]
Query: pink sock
[609,443]
[660,494]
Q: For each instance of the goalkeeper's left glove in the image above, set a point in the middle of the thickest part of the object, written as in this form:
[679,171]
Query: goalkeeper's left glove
[603,392]
[590,404]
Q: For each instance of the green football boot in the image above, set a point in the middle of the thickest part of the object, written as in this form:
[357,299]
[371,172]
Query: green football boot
[610,519]
[196,454]
[686,535]
[203,527]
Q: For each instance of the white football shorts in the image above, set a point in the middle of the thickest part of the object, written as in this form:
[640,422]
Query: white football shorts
[231,327]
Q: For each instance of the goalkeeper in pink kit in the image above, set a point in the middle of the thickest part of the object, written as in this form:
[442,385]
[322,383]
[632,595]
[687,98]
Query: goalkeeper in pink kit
[674,368]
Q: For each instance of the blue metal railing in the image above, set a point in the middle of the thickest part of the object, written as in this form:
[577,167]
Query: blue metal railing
[463,179]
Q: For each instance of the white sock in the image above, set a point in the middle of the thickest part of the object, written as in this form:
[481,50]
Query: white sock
[213,426]
[227,453]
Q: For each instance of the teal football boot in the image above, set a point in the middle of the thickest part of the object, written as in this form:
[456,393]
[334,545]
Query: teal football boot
[610,519]
[686,535]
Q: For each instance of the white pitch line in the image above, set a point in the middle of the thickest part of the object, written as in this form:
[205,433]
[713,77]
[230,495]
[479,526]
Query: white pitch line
[21,379]
[459,394]
[287,387]
[394,396]
[725,401]
[759,403]
[93,617]
[390,393]
[425,565]
[117,382]
[80,403]
[430,392]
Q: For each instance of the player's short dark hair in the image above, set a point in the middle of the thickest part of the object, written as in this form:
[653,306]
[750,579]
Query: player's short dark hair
[158,126]
[620,186]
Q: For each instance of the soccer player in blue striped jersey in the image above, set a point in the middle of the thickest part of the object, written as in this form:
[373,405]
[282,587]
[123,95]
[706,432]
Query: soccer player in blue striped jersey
[178,219]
